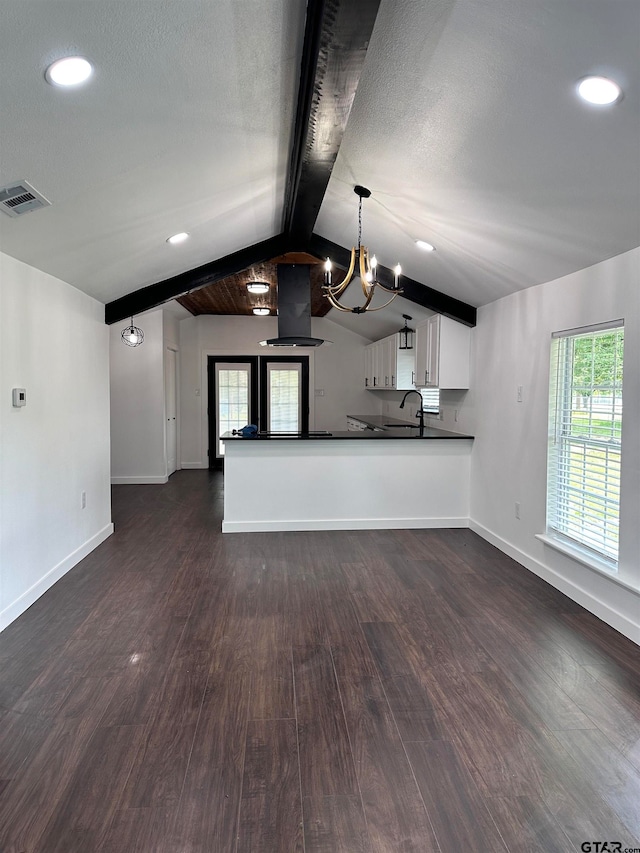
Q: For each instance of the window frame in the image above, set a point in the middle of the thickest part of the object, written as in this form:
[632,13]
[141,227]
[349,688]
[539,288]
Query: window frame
[600,480]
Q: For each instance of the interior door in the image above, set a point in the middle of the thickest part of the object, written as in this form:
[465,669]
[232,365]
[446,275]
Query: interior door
[171,410]
[233,399]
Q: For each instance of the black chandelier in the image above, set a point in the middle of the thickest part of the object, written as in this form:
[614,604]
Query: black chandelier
[132,335]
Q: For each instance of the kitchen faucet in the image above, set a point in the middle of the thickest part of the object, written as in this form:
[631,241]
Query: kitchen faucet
[419,413]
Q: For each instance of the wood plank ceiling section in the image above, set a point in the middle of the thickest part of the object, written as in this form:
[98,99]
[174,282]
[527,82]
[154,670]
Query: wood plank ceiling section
[230,294]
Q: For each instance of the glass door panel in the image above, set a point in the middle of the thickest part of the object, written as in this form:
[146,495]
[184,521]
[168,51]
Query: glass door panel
[233,385]
[284,397]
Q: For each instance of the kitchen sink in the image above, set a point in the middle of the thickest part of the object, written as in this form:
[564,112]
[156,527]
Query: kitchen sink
[401,426]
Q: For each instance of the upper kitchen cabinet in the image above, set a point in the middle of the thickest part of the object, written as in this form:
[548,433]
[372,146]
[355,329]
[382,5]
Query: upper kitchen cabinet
[442,353]
[388,368]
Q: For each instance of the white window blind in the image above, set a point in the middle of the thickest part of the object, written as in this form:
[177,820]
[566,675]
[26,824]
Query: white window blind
[585,438]
[284,383]
[430,400]
[232,383]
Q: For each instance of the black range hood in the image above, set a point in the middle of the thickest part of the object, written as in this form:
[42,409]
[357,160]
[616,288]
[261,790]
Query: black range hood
[294,308]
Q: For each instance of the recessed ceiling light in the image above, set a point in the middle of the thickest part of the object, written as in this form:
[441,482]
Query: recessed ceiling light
[426,247]
[599,90]
[261,312]
[70,71]
[258,287]
[178,238]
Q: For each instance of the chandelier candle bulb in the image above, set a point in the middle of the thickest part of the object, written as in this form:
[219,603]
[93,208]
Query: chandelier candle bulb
[397,272]
[327,272]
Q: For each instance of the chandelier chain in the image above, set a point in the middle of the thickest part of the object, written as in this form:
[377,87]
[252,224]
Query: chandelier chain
[359,223]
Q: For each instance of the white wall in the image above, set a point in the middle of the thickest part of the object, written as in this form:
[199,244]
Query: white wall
[338,370]
[137,402]
[512,346]
[138,443]
[54,343]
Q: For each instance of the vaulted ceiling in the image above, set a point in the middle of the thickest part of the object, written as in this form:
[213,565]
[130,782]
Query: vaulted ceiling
[460,116]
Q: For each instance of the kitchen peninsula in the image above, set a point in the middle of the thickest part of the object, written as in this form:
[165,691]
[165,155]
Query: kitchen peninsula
[382,477]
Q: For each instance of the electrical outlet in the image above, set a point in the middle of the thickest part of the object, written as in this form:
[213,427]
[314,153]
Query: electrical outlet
[519,393]
[83,500]
[517,509]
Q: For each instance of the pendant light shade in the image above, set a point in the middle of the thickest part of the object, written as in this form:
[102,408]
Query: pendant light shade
[132,335]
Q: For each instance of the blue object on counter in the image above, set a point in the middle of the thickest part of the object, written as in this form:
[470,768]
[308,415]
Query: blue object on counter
[247,431]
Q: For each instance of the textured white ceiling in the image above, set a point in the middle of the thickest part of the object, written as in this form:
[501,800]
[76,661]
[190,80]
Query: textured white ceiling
[467,130]
[465,127]
[186,126]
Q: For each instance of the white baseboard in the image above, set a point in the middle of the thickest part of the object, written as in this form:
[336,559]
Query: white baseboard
[194,465]
[258,526]
[27,598]
[581,596]
[138,481]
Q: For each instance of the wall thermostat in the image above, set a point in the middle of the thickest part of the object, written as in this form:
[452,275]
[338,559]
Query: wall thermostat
[19,397]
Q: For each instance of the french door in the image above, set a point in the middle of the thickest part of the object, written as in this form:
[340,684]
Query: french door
[271,392]
[284,393]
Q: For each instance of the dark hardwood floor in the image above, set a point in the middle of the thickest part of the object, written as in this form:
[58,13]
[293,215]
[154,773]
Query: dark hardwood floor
[181,691]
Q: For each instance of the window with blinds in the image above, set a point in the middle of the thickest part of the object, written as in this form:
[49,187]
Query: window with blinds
[430,400]
[284,397]
[232,388]
[585,438]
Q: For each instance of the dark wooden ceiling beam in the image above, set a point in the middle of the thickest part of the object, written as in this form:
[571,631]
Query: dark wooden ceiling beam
[412,290]
[156,294]
[337,36]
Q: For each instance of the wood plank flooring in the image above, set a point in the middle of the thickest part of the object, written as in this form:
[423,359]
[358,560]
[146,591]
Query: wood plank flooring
[181,691]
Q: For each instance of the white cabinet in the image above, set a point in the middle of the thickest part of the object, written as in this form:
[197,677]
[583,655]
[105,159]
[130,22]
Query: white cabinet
[442,353]
[388,368]
[374,366]
[368,366]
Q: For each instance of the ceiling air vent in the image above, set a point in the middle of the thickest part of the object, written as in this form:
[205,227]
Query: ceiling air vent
[20,197]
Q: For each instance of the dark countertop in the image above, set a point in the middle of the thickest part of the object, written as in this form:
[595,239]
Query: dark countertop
[378,422]
[380,434]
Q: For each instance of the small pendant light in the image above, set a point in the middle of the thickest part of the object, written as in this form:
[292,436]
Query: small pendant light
[406,335]
[132,335]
